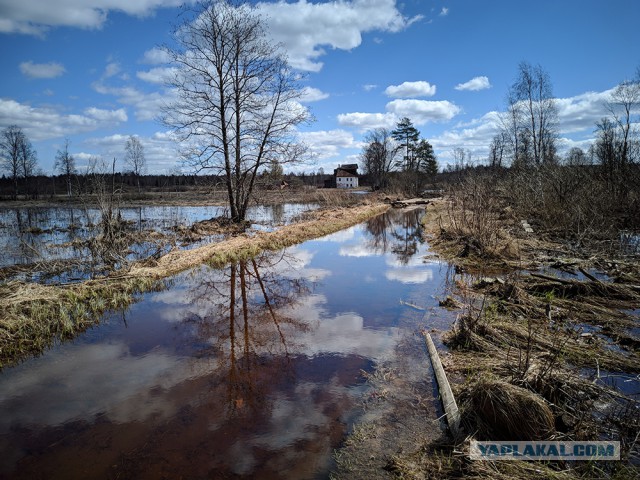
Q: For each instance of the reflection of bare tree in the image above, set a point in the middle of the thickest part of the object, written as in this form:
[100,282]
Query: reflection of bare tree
[397,231]
[240,325]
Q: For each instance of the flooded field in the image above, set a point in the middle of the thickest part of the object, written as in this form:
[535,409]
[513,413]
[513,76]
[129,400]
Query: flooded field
[253,370]
[45,234]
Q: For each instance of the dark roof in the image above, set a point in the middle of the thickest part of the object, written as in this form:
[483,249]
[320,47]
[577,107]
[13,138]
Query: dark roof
[349,166]
[341,172]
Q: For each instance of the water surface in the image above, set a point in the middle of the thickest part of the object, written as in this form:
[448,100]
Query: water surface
[249,371]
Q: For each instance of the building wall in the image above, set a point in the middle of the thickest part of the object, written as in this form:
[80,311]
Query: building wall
[346,182]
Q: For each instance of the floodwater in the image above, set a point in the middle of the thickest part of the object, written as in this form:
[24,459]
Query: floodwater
[32,234]
[254,370]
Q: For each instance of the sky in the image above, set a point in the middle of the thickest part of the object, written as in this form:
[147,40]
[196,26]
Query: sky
[91,71]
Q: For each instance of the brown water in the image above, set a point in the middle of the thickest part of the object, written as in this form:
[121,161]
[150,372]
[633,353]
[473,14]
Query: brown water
[250,371]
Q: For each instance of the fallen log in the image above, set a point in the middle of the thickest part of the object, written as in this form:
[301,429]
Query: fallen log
[448,400]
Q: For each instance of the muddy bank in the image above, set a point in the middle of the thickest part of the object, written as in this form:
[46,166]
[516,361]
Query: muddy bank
[36,315]
[545,347]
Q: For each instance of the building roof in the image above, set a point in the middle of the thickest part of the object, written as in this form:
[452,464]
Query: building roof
[340,172]
[349,166]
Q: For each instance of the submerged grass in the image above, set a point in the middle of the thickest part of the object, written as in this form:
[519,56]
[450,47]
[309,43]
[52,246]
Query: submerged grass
[34,316]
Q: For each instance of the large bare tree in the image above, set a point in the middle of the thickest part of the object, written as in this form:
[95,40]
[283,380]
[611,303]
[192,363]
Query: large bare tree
[237,99]
[17,156]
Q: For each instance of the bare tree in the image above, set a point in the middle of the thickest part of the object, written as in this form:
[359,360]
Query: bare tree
[237,99]
[576,157]
[533,116]
[66,165]
[378,156]
[498,150]
[17,156]
[135,158]
[624,102]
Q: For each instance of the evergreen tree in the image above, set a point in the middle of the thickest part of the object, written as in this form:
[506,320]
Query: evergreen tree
[426,161]
[407,137]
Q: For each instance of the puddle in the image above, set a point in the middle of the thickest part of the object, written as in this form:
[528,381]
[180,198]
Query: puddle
[629,242]
[252,370]
[574,274]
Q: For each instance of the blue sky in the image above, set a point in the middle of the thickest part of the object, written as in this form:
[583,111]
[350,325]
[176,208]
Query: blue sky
[89,70]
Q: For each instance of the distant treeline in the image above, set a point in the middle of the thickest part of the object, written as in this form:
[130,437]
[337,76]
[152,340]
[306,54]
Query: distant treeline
[43,186]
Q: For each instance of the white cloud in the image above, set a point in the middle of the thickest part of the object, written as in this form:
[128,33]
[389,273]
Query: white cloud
[444,12]
[43,123]
[310,94]
[42,70]
[155,56]
[160,149]
[112,69]
[476,83]
[34,17]
[582,111]
[369,87]
[411,89]
[423,111]
[107,116]
[148,106]
[366,121]
[328,144]
[303,27]
[157,75]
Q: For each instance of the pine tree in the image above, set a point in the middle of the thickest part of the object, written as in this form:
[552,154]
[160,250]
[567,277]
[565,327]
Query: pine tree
[407,137]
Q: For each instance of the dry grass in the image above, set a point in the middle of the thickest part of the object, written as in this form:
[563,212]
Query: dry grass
[519,347]
[244,246]
[497,410]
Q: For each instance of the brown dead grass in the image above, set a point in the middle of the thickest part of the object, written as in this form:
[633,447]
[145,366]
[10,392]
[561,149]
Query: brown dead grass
[519,347]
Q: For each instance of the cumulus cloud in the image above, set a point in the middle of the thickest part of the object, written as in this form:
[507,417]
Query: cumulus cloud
[157,75]
[328,143]
[42,70]
[35,17]
[444,12]
[155,56]
[303,27]
[44,123]
[310,94]
[107,116]
[423,111]
[366,121]
[582,111]
[411,89]
[147,106]
[476,83]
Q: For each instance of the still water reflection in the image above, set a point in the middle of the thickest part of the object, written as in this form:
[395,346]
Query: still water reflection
[31,234]
[253,370]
